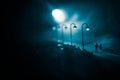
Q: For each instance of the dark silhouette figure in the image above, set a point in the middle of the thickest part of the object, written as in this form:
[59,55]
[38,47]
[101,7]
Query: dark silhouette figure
[96,47]
[100,46]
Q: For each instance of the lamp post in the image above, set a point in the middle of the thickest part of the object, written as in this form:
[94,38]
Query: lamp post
[62,29]
[56,30]
[63,26]
[74,26]
[87,28]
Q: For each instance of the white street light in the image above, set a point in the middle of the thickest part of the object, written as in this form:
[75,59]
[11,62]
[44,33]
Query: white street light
[58,15]
[87,29]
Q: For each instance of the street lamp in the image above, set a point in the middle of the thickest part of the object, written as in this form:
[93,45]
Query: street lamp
[56,28]
[59,15]
[87,29]
[74,26]
[63,26]
[60,28]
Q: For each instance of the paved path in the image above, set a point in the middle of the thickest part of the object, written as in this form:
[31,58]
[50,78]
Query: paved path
[110,56]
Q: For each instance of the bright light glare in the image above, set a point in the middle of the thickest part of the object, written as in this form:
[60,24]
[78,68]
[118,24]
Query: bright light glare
[53,28]
[58,15]
[62,48]
[87,29]
[74,28]
[59,45]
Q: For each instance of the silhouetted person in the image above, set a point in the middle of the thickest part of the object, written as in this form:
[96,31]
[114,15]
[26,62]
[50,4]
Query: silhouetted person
[100,46]
[96,47]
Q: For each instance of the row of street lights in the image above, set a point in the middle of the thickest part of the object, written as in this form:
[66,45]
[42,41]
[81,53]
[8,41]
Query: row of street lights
[73,25]
[59,17]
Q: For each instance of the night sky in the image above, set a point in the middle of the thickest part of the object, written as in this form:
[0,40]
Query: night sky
[28,18]
[31,42]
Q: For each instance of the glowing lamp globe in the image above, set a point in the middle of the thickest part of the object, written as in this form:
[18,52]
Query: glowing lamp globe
[87,28]
[58,15]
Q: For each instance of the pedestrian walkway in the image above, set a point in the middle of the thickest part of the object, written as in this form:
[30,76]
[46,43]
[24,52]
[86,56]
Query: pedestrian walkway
[110,56]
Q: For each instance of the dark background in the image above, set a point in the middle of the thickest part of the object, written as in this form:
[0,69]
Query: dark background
[33,16]
[20,15]
[26,18]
